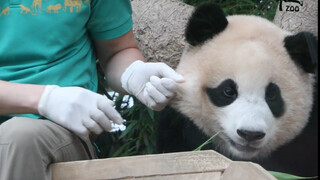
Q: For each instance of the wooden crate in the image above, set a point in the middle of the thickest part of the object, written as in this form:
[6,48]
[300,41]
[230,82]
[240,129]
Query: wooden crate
[183,165]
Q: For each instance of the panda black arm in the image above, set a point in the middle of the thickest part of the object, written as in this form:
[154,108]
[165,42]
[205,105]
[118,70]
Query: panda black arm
[169,131]
[177,133]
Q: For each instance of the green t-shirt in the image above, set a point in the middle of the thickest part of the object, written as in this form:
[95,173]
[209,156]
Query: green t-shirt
[49,42]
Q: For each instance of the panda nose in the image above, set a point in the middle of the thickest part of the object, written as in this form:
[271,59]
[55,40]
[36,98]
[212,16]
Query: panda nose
[250,135]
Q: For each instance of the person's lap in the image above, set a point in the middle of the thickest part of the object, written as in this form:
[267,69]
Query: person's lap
[28,147]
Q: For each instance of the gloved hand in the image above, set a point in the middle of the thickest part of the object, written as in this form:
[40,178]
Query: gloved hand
[154,84]
[78,109]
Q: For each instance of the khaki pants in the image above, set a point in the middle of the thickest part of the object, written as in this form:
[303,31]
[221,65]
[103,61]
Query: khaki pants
[29,146]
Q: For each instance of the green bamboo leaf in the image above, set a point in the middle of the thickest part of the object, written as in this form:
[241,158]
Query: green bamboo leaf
[285,176]
[129,128]
[249,2]
[138,143]
[146,141]
[118,100]
[119,151]
[132,110]
[207,142]
[132,150]
[151,113]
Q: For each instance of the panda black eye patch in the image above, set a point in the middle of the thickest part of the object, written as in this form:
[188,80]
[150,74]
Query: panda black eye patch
[274,99]
[224,94]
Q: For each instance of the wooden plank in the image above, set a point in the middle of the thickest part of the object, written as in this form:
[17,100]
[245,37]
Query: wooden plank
[246,171]
[142,166]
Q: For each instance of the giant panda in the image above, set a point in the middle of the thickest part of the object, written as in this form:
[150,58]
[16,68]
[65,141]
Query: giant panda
[252,82]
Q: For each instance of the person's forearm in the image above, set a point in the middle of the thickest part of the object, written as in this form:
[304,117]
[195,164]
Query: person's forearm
[118,64]
[115,56]
[18,98]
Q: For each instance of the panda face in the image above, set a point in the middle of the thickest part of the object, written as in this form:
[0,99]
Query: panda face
[227,93]
[244,84]
[247,120]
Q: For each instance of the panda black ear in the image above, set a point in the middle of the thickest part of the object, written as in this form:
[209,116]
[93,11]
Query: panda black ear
[206,21]
[303,50]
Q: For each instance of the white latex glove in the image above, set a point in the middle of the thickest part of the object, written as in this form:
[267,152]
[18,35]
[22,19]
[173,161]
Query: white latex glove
[78,109]
[154,84]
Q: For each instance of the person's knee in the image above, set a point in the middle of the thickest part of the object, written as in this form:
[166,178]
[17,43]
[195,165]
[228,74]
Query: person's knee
[20,132]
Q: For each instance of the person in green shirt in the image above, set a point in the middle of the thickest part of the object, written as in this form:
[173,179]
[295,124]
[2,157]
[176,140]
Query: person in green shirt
[48,79]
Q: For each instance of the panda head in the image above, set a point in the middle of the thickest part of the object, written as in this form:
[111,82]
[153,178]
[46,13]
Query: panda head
[247,79]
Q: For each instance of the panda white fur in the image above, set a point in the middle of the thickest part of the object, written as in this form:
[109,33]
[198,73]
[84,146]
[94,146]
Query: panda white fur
[249,80]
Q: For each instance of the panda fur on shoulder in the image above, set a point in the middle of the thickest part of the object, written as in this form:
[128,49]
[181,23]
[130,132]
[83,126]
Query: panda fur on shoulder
[252,82]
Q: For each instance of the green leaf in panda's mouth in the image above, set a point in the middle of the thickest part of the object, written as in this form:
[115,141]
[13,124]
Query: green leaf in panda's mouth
[285,176]
[207,142]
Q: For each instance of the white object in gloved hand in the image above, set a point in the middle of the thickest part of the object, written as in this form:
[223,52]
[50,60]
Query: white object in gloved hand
[78,109]
[154,84]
